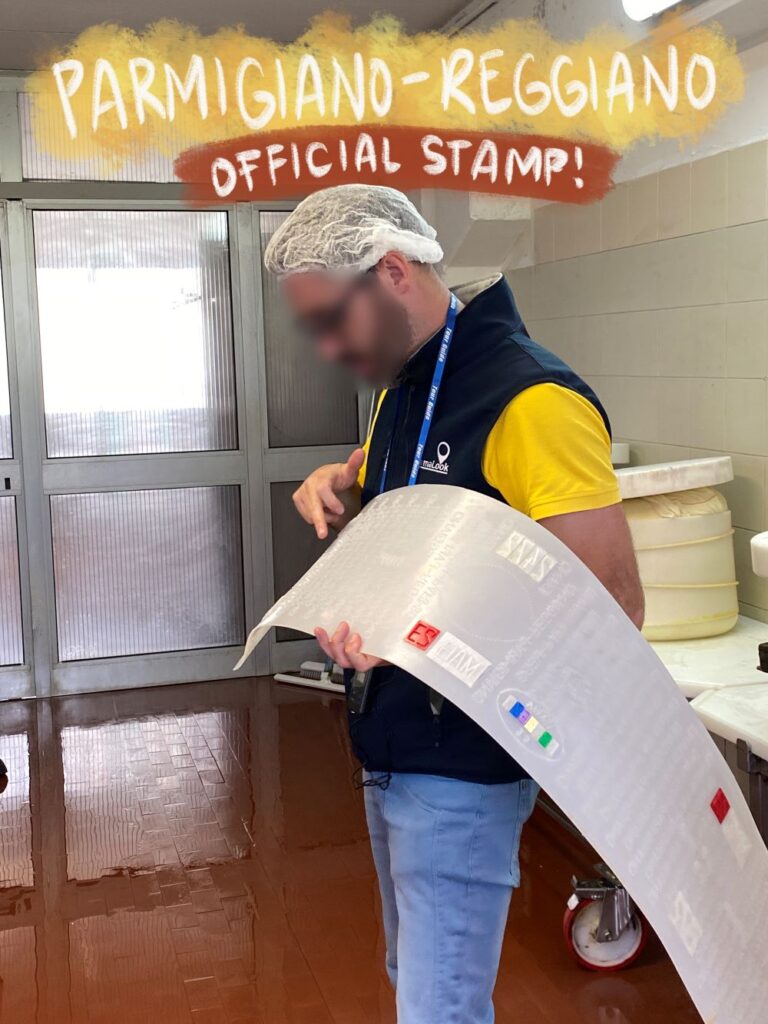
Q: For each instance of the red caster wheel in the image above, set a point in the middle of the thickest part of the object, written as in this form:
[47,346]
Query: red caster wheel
[580,926]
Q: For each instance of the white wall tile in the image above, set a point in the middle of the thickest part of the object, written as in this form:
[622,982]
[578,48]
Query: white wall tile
[631,343]
[692,269]
[708,403]
[707,332]
[548,292]
[752,612]
[594,327]
[675,201]
[643,209]
[609,391]
[674,411]
[748,183]
[746,493]
[614,223]
[576,230]
[747,262]
[631,278]
[562,337]
[544,332]
[633,407]
[746,348]
[564,243]
[709,192]
[536,287]
[582,291]
[521,282]
[589,348]
[674,342]
[543,233]
[746,421]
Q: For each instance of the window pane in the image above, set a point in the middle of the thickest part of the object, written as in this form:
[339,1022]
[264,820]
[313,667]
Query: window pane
[135,331]
[139,572]
[308,401]
[11,646]
[295,546]
[6,446]
[80,159]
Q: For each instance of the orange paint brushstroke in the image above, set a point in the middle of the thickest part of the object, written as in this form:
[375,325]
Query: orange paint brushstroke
[576,182]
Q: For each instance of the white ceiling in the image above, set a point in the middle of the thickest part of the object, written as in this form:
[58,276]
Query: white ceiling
[29,29]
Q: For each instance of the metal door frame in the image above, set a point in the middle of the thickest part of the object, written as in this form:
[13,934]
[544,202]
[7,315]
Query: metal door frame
[42,476]
[15,680]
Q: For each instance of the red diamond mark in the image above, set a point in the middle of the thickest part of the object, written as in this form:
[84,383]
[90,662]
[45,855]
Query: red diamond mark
[422,635]
[720,806]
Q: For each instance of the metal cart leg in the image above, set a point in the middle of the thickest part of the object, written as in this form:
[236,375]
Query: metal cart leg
[757,769]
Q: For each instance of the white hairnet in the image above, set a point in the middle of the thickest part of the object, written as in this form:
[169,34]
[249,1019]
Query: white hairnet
[348,229]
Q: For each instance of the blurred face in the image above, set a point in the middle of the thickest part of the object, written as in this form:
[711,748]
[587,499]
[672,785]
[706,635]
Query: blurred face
[353,320]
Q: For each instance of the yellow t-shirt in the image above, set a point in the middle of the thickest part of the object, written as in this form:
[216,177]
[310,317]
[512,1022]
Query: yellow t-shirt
[549,453]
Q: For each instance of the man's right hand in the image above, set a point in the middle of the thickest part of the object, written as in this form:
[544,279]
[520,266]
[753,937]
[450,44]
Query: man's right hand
[330,496]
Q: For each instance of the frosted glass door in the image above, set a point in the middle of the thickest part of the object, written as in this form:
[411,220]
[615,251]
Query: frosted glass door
[11,639]
[142,572]
[144,468]
[6,441]
[11,643]
[135,331]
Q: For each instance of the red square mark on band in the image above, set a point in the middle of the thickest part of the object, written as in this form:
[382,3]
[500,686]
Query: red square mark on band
[720,806]
[422,635]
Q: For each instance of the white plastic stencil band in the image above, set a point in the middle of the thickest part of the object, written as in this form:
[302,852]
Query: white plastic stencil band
[526,555]
[458,658]
[737,839]
[614,743]
[687,926]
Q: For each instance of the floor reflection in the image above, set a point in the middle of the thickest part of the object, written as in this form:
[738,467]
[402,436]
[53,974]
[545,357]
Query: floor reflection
[198,854]
[16,821]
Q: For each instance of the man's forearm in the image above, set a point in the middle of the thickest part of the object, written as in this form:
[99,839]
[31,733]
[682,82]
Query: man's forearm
[601,539]
[627,591]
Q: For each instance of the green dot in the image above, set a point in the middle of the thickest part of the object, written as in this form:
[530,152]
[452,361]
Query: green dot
[545,739]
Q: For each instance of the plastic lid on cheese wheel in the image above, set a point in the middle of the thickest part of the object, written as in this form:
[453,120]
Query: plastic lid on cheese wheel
[759,546]
[668,477]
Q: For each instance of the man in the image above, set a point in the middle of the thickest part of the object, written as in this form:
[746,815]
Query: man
[445,804]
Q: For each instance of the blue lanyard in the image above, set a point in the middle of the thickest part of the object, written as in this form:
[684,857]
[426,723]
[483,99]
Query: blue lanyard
[434,391]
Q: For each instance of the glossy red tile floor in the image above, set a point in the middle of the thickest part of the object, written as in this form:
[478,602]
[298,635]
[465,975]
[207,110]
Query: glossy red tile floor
[198,854]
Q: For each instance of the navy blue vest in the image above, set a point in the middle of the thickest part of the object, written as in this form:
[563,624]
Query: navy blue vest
[492,359]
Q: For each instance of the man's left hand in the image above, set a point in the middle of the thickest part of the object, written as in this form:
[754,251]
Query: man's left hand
[346,649]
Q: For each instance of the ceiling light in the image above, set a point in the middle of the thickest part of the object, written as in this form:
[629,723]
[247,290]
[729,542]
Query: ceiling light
[641,10]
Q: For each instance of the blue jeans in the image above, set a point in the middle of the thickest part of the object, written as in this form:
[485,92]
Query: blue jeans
[446,854]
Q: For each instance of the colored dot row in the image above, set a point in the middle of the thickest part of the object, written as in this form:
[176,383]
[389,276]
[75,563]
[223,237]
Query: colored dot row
[531,724]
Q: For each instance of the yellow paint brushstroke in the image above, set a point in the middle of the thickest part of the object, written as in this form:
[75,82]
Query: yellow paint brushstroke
[330,38]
